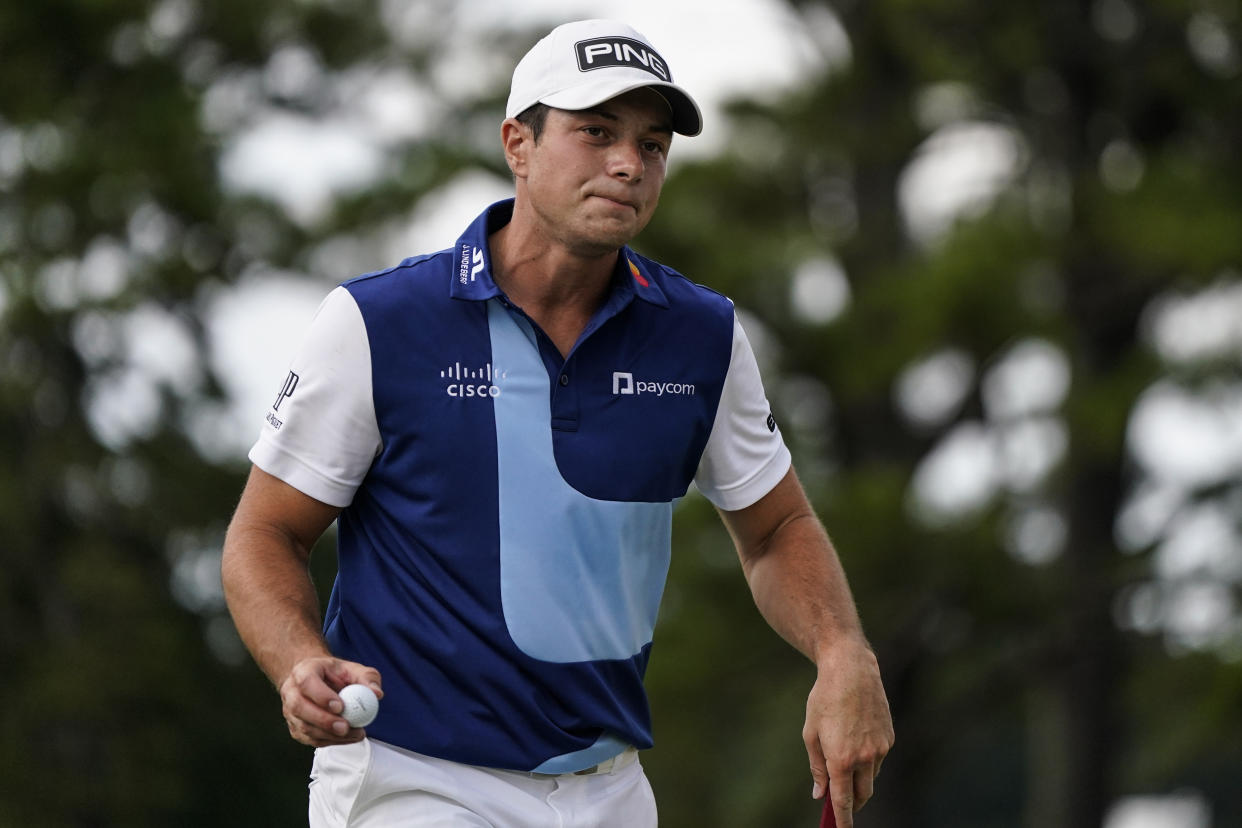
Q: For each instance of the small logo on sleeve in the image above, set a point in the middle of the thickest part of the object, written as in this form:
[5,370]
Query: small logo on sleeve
[291,383]
[286,391]
[771,423]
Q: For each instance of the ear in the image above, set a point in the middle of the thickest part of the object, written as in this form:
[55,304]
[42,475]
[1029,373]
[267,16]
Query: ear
[517,140]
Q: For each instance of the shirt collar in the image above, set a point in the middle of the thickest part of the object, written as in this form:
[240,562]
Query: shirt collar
[472,277]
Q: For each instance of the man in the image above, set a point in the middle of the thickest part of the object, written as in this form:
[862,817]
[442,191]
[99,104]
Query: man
[501,430]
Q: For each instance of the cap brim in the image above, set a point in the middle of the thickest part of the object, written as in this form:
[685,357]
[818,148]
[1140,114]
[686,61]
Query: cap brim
[687,119]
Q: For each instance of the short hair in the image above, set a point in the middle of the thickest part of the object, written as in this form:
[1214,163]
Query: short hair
[533,117]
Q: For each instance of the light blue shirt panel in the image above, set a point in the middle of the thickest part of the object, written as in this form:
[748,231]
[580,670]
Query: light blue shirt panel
[580,579]
[604,749]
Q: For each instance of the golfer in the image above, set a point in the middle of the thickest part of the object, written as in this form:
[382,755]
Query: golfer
[500,430]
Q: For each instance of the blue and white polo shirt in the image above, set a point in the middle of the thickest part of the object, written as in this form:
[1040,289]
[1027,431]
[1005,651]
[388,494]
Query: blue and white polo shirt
[505,533]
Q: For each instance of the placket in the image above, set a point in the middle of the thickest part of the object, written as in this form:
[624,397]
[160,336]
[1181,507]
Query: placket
[565,396]
[563,388]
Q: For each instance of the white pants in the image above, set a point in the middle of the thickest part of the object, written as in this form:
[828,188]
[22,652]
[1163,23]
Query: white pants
[371,784]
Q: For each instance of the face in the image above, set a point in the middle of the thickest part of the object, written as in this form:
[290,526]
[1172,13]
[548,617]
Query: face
[593,179]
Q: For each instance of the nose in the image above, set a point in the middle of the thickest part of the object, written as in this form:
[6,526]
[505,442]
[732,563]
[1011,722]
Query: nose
[625,161]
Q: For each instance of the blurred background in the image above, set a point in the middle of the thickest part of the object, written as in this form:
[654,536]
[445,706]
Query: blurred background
[990,256]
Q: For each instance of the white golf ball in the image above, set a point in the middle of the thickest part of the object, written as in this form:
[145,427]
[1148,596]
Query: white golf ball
[361,705]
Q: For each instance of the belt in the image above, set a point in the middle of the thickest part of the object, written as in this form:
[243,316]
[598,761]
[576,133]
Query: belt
[616,763]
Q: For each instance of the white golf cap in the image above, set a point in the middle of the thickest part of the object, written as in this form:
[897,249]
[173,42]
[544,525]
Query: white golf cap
[579,65]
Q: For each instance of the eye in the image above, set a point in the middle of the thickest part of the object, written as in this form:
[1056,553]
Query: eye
[654,147]
[594,131]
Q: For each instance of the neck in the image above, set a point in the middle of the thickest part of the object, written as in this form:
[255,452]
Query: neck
[556,287]
[532,268]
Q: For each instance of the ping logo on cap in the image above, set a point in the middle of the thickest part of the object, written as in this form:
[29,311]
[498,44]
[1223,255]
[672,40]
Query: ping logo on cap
[599,52]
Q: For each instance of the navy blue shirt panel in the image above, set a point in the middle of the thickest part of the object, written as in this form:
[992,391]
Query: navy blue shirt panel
[646,445]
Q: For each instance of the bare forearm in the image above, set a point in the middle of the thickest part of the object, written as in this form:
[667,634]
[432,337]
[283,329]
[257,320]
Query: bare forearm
[268,587]
[801,590]
[800,587]
[272,599]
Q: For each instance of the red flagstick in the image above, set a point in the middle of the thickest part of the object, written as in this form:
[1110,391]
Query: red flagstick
[829,819]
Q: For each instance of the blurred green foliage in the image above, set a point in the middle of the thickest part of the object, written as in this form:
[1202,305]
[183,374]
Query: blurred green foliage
[1024,689]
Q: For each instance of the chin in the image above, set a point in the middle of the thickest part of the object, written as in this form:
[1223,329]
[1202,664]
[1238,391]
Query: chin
[594,247]
[607,237]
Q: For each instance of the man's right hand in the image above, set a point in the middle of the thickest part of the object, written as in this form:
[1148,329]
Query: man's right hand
[310,702]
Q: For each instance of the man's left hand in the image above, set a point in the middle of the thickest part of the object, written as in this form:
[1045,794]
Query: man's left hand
[848,729]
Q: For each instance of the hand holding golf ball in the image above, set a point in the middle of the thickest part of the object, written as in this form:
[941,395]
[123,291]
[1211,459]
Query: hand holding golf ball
[361,705]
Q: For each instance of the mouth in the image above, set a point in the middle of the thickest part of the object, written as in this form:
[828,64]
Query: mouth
[617,202]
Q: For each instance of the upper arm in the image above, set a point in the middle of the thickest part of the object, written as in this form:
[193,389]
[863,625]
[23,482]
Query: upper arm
[745,456]
[270,507]
[753,527]
[321,434]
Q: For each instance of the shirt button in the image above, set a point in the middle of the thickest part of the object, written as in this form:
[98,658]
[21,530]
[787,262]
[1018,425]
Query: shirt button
[564,379]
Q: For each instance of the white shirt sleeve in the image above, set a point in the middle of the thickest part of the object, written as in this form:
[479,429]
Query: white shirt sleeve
[745,455]
[321,434]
